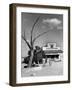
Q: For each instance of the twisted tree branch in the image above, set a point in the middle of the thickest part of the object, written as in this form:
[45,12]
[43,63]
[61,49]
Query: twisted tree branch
[39,36]
[24,38]
[33,29]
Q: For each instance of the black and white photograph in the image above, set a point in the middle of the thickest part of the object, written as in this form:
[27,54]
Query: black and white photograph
[41,44]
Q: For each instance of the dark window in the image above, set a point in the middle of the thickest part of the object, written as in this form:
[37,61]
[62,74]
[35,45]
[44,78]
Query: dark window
[51,46]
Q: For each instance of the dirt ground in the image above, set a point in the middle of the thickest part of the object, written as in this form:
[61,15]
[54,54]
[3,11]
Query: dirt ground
[56,68]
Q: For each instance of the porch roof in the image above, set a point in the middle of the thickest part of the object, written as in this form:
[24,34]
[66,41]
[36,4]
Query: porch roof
[53,51]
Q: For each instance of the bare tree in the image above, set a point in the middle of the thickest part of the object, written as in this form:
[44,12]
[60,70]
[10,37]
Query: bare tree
[32,40]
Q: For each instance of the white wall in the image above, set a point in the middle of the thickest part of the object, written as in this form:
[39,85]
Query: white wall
[4,45]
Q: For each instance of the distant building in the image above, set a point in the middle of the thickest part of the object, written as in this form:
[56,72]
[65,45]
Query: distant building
[52,51]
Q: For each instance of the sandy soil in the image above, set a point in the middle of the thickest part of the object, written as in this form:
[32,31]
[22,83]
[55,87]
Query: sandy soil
[56,68]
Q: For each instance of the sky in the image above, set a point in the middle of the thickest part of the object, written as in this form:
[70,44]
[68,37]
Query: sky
[52,23]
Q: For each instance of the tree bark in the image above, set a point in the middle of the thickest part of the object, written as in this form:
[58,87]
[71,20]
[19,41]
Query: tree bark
[31,58]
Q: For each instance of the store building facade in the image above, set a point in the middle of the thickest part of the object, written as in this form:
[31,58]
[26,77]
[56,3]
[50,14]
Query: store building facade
[52,52]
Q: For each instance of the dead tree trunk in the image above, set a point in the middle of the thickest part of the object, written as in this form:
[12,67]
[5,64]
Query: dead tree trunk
[31,58]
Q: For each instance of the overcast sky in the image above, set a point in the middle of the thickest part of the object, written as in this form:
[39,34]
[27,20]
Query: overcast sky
[53,23]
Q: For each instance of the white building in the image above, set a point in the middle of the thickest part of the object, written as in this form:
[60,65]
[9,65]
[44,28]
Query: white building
[52,52]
